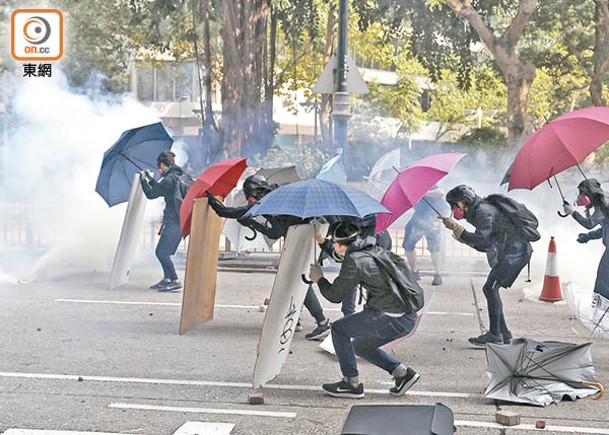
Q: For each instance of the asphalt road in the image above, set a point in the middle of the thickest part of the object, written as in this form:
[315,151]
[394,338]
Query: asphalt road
[79,357]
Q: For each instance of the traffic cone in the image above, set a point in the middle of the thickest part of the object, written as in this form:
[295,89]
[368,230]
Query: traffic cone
[551,281]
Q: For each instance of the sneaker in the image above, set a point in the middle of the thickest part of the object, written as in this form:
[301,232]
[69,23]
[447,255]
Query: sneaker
[403,383]
[170,287]
[320,332]
[298,327]
[484,339]
[437,279]
[158,285]
[344,389]
[416,275]
[507,337]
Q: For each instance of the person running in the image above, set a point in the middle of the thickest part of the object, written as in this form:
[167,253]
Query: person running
[592,196]
[507,252]
[381,321]
[170,231]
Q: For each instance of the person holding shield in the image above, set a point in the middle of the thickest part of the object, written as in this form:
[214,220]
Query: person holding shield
[170,231]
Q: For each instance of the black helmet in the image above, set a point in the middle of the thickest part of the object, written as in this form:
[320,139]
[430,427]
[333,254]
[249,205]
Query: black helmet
[255,186]
[345,233]
[590,187]
[462,193]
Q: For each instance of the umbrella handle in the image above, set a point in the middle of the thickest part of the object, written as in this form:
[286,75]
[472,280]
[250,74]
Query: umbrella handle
[253,237]
[305,280]
[601,389]
[561,214]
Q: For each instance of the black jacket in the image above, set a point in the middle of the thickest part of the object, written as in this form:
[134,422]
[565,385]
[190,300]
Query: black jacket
[165,187]
[506,252]
[358,267]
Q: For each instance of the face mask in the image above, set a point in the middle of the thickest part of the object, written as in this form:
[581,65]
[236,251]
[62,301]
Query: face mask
[583,200]
[160,172]
[458,213]
[251,200]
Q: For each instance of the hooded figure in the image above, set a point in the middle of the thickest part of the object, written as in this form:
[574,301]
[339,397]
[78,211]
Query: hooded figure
[507,253]
[592,196]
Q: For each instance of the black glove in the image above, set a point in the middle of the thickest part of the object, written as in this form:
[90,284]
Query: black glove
[210,195]
[583,238]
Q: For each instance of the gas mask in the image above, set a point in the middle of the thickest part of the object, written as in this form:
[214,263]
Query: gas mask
[458,213]
[583,200]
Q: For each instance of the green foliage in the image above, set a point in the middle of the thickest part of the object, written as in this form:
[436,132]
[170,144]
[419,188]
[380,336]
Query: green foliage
[484,137]
[307,159]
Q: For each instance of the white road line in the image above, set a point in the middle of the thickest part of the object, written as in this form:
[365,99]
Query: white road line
[214,384]
[202,410]
[56,432]
[204,427]
[548,429]
[247,307]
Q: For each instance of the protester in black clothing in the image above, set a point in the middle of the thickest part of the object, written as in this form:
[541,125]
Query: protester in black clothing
[381,321]
[592,196]
[507,253]
[170,231]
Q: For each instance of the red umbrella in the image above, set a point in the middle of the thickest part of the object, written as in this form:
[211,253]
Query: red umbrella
[412,183]
[218,179]
[560,144]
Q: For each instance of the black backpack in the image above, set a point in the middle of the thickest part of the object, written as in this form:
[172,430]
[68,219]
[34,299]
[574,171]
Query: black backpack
[404,287]
[183,183]
[522,219]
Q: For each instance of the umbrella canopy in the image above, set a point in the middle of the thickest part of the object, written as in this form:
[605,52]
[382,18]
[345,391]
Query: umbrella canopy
[560,144]
[135,150]
[540,373]
[383,173]
[594,316]
[241,237]
[412,183]
[218,179]
[315,198]
[333,170]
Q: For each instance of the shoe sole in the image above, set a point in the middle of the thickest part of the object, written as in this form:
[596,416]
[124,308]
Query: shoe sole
[345,395]
[174,290]
[407,386]
[482,345]
[319,337]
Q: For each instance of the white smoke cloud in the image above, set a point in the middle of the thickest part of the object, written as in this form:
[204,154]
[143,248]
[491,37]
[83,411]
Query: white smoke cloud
[56,139]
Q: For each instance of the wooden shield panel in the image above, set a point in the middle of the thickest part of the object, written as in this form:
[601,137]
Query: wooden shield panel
[201,266]
[130,234]
[287,297]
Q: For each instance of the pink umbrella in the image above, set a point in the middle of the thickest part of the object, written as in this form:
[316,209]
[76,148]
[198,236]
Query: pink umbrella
[560,144]
[412,183]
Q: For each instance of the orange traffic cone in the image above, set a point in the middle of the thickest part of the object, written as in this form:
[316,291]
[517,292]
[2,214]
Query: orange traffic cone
[551,282]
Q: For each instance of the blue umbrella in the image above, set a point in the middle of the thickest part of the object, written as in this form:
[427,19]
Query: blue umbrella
[135,150]
[316,198]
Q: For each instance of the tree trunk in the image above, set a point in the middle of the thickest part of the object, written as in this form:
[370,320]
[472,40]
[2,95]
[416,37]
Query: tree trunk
[518,76]
[601,52]
[244,125]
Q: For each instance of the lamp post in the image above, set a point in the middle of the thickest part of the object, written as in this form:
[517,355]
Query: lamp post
[340,110]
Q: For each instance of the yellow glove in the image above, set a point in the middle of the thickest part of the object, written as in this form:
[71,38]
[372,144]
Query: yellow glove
[315,273]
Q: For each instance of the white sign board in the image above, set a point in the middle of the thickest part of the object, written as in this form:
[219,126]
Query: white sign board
[130,234]
[287,297]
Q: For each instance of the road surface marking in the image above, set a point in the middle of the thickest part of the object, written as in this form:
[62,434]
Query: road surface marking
[204,427]
[215,384]
[202,410]
[247,307]
[56,432]
[548,429]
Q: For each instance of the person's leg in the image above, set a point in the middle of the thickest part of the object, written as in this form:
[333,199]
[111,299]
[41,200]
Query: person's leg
[312,304]
[495,314]
[348,304]
[434,241]
[171,235]
[412,234]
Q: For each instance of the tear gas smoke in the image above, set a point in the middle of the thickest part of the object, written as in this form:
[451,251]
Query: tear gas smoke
[55,141]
